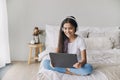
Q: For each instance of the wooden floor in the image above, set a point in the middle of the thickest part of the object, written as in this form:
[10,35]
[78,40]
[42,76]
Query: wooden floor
[20,71]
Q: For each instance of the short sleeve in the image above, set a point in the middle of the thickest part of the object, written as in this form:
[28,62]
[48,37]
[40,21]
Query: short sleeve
[82,44]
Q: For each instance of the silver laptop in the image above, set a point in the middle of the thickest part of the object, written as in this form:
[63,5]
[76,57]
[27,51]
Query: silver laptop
[63,59]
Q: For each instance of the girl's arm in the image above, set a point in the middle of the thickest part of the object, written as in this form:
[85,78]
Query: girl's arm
[56,50]
[83,60]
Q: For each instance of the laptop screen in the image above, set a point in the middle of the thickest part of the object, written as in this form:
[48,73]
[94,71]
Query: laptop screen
[63,60]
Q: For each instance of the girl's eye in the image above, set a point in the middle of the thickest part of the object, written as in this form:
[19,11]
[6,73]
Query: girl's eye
[70,28]
[67,28]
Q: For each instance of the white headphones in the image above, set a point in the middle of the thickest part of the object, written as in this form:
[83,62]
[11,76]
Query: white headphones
[71,17]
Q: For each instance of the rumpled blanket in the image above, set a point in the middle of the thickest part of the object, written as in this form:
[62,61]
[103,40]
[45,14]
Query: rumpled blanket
[105,63]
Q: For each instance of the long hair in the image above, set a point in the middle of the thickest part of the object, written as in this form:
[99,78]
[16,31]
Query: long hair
[63,39]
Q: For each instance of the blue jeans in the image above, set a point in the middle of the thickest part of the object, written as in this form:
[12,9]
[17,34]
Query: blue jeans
[85,70]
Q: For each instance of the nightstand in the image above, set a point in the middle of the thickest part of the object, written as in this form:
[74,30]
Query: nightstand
[38,49]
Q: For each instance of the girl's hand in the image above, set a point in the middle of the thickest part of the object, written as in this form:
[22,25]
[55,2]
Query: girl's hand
[77,65]
[52,65]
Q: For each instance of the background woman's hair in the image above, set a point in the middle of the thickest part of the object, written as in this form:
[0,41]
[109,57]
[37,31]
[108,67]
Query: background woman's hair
[63,40]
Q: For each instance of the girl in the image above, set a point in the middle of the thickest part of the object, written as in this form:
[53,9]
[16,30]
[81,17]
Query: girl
[71,43]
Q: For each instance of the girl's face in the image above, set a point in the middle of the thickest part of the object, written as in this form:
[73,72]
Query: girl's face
[68,30]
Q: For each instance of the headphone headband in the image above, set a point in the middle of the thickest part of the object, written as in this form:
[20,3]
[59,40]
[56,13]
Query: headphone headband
[71,17]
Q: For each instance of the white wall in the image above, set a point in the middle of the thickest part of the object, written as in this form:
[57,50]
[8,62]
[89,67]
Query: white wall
[23,15]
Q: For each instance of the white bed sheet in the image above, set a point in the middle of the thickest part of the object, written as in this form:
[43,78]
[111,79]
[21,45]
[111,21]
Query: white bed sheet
[105,63]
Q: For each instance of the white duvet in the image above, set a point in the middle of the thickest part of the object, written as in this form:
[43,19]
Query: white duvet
[105,63]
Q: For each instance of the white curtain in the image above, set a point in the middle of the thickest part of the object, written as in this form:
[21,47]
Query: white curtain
[4,38]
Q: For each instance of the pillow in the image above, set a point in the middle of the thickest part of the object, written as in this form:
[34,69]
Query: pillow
[115,36]
[52,33]
[96,32]
[83,31]
[111,32]
[99,43]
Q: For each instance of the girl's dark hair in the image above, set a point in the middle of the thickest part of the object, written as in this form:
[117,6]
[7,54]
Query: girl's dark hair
[63,40]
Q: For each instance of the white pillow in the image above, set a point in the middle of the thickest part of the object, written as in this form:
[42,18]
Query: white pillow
[83,31]
[99,43]
[52,34]
[111,32]
[115,36]
[96,32]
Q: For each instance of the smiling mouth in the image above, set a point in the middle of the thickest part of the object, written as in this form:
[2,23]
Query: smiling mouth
[68,35]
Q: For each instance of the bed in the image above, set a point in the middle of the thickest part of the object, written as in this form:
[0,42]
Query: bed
[103,52]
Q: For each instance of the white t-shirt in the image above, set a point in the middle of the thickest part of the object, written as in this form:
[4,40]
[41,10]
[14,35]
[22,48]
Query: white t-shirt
[77,46]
